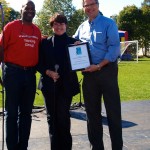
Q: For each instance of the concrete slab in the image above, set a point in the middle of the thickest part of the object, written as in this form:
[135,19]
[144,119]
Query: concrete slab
[135,123]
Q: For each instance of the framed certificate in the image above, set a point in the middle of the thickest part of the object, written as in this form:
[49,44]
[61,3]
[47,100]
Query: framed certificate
[79,56]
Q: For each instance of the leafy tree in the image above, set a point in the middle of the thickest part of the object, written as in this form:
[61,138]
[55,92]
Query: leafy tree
[136,21]
[49,8]
[9,14]
[13,15]
[2,12]
[75,20]
[129,20]
[145,26]
[64,6]
[146,3]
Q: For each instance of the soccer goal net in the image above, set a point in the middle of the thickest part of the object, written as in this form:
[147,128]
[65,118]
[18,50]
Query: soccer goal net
[129,50]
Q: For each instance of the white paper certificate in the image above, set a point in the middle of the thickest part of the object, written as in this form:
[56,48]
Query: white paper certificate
[79,56]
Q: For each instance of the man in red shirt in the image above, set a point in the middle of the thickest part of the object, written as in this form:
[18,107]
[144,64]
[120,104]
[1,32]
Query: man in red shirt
[20,42]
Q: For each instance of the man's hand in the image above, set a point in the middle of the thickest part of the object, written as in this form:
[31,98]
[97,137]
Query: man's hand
[77,42]
[92,68]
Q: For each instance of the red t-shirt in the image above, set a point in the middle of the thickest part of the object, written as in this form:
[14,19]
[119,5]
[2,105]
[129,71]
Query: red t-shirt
[21,43]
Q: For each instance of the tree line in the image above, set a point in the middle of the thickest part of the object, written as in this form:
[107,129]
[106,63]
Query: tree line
[132,19]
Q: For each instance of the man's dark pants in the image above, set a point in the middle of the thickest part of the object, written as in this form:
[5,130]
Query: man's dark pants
[95,85]
[20,87]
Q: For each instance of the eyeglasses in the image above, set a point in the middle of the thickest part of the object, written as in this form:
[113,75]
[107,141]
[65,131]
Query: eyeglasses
[88,5]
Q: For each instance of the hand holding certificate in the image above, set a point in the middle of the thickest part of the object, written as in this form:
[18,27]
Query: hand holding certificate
[79,56]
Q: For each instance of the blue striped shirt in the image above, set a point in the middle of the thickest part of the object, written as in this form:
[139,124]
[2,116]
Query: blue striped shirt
[102,35]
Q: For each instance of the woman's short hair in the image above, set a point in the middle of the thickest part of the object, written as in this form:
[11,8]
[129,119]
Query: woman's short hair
[57,17]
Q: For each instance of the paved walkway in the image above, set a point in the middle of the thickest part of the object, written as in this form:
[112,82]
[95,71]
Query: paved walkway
[135,123]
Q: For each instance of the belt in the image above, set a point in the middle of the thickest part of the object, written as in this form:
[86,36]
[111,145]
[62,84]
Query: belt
[18,66]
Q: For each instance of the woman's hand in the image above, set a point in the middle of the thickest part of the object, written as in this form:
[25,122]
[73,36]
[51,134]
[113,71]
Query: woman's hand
[52,74]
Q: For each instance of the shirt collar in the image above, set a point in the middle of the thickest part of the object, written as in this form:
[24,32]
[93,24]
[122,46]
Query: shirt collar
[94,21]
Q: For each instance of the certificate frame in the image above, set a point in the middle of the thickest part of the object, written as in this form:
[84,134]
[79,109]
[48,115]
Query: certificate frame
[79,56]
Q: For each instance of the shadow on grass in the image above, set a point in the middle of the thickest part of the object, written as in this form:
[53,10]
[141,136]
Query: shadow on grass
[81,115]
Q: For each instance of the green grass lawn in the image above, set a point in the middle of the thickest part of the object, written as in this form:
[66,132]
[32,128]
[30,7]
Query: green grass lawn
[134,82]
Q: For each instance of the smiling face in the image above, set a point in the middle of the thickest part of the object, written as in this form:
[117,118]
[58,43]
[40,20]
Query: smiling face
[28,12]
[59,28]
[91,8]
[58,23]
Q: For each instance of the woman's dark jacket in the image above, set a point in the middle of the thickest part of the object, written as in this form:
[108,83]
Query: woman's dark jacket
[53,50]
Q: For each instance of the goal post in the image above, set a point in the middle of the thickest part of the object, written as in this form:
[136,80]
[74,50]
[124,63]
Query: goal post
[125,46]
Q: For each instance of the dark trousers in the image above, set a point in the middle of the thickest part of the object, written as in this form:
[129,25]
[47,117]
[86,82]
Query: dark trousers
[58,118]
[20,87]
[95,85]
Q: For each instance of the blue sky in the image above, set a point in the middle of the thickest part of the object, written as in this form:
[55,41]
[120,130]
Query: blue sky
[107,7]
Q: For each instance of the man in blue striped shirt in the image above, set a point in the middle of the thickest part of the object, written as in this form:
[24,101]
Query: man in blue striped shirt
[101,77]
